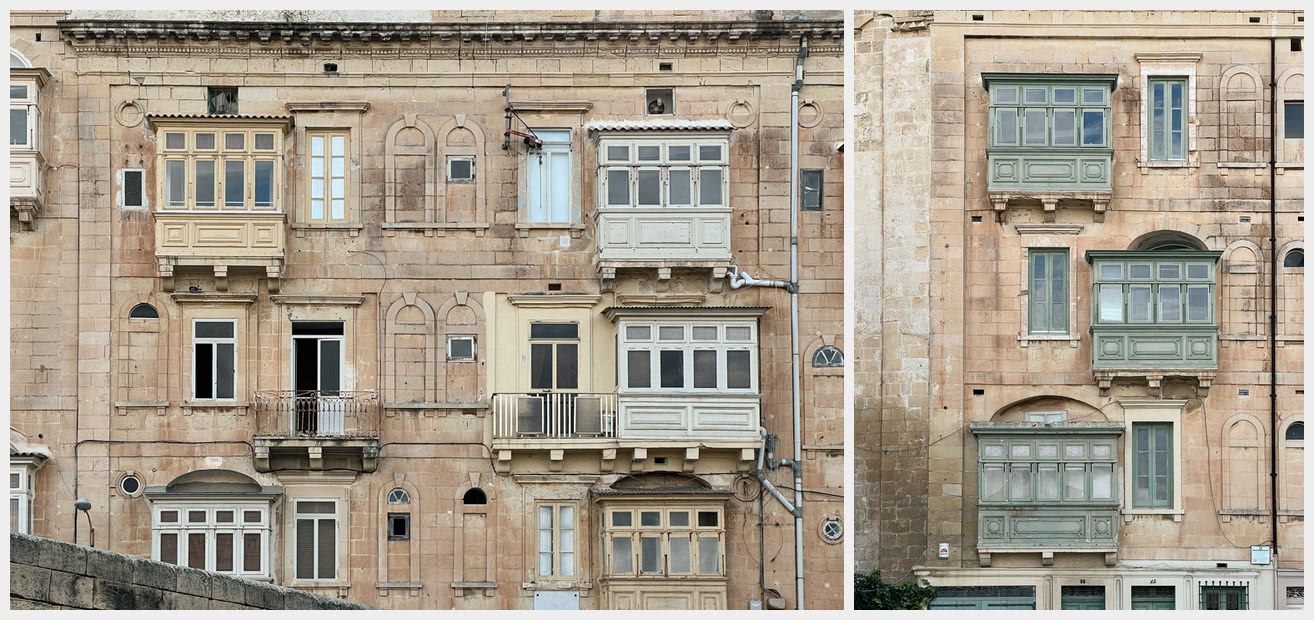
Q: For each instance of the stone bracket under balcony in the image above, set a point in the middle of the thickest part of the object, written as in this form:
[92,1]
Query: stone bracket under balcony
[360,454]
[1049,201]
[1105,377]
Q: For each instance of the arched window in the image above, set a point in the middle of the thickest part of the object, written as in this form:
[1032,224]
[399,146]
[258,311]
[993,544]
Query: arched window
[17,60]
[1167,241]
[474,497]
[143,311]
[399,496]
[1296,432]
[828,356]
[1294,259]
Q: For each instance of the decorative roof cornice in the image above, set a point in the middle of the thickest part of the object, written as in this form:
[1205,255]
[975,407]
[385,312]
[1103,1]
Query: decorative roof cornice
[89,31]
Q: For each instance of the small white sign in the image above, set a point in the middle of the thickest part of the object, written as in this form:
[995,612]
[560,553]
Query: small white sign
[943,551]
[1261,555]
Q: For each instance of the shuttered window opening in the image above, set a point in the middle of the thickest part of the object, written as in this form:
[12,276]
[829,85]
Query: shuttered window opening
[1224,595]
[316,539]
[224,537]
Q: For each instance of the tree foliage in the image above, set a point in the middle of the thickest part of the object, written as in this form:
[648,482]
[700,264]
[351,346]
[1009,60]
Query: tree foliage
[872,593]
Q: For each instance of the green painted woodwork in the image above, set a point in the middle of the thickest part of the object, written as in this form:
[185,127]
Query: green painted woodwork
[1050,132]
[984,597]
[1153,597]
[1047,295]
[1152,465]
[1223,597]
[1154,309]
[1082,597]
[1167,112]
[1047,486]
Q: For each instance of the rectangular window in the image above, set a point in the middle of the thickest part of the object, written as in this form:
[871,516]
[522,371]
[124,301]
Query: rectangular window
[202,168]
[1223,597]
[234,183]
[811,184]
[1082,597]
[1152,465]
[399,526]
[214,359]
[1153,597]
[328,176]
[665,541]
[1048,116]
[134,188]
[669,172]
[205,182]
[549,179]
[460,348]
[1293,120]
[175,182]
[554,356]
[316,539]
[1048,293]
[1047,469]
[221,100]
[556,540]
[18,126]
[1167,109]
[687,356]
[211,539]
[460,169]
[1157,291]
[20,499]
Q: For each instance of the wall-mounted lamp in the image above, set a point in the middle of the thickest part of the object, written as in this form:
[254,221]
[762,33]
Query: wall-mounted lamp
[83,505]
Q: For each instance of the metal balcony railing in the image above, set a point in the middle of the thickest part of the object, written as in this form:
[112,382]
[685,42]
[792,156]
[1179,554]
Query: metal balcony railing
[312,413]
[554,415]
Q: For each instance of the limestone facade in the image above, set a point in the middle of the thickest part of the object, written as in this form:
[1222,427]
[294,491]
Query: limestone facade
[367,284]
[953,382]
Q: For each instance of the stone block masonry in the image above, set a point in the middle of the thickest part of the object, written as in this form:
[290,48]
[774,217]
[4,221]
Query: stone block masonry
[49,574]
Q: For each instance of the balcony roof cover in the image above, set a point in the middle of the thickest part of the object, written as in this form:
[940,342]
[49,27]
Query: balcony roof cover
[663,124]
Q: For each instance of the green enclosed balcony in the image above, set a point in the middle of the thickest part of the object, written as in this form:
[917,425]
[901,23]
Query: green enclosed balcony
[1047,488]
[1050,139]
[1154,314]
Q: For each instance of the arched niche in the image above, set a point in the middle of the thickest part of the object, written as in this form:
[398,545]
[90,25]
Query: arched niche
[474,552]
[1243,299]
[399,559]
[1244,483]
[1242,116]
[409,172]
[464,170]
[1073,410]
[460,377]
[410,351]
[145,373]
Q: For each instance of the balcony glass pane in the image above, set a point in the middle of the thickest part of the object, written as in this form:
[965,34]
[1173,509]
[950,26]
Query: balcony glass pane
[638,333]
[1111,303]
[540,366]
[1065,127]
[1033,126]
[667,332]
[681,187]
[252,550]
[709,555]
[559,172]
[679,152]
[223,552]
[1006,126]
[672,369]
[618,153]
[678,518]
[1170,303]
[704,332]
[1006,94]
[1047,482]
[1034,95]
[1074,481]
[1197,304]
[224,366]
[622,555]
[992,483]
[652,152]
[738,334]
[196,550]
[235,141]
[1091,96]
[205,182]
[1139,302]
[1101,483]
[1019,482]
[639,365]
[1092,127]
[1065,95]
[265,141]
[567,366]
[650,554]
[234,183]
[18,125]
[175,140]
[618,187]
[704,369]
[681,562]
[649,187]
[175,182]
[710,153]
[709,187]
[264,184]
[205,141]
[738,369]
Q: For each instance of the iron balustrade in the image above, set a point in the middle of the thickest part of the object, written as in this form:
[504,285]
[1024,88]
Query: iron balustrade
[312,413]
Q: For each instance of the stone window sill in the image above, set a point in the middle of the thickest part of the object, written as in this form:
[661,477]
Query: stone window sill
[575,229]
[1025,340]
[1146,166]
[1130,513]
[334,226]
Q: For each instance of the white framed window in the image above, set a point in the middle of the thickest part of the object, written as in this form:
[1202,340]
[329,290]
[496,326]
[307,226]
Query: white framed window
[461,169]
[556,540]
[688,356]
[328,176]
[24,116]
[663,541]
[231,537]
[214,359]
[461,349]
[224,168]
[1168,109]
[316,539]
[21,493]
[663,172]
[549,179]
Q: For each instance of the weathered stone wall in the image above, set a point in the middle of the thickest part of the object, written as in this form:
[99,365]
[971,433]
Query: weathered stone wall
[49,574]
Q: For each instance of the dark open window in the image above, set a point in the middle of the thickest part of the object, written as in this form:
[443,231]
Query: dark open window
[143,311]
[1294,258]
[221,100]
[810,189]
[474,497]
[399,526]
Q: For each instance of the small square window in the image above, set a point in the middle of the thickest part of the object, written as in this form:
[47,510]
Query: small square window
[205,142]
[810,189]
[134,188]
[660,101]
[399,526]
[707,518]
[235,141]
[461,349]
[221,100]
[460,169]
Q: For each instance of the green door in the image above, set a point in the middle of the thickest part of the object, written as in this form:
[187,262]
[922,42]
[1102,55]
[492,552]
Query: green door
[1082,597]
[984,597]
[1153,597]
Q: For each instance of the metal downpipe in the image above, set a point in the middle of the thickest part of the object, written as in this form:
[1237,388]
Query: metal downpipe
[793,323]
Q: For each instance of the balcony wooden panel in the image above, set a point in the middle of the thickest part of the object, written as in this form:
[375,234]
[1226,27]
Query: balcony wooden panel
[705,417]
[664,236]
[26,191]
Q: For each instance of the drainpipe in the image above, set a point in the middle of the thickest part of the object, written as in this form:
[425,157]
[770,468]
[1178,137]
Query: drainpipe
[1272,307]
[793,320]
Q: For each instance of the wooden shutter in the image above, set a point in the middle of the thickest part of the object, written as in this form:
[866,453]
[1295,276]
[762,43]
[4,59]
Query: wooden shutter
[327,546]
[305,545]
